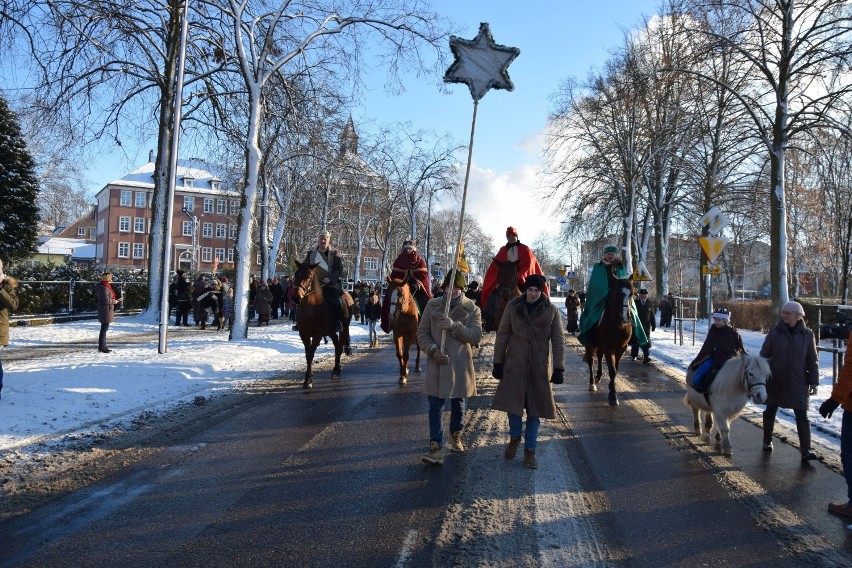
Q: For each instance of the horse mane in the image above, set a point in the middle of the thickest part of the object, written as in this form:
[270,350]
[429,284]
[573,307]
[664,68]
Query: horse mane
[730,377]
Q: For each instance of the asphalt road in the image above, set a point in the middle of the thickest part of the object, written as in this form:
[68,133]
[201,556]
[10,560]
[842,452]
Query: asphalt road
[331,477]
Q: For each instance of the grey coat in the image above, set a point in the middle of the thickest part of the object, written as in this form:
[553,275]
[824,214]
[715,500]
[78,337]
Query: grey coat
[523,345]
[106,303]
[458,378]
[793,359]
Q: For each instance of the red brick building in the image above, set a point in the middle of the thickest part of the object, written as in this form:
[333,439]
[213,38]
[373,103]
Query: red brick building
[204,226]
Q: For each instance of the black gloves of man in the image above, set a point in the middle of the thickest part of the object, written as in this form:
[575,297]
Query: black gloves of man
[556,378]
[827,407]
[497,372]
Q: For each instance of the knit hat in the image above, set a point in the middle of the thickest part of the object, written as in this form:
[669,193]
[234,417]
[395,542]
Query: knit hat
[611,248]
[460,282]
[536,280]
[722,313]
[511,231]
[794,307]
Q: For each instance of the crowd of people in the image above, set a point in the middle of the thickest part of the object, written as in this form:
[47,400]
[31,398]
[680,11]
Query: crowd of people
[529,349]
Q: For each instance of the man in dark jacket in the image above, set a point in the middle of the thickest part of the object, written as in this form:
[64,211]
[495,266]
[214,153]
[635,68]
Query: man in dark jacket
[647,317]
[329,269]
[277,295]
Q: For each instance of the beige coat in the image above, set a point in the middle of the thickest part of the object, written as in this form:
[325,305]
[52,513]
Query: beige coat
[8,302]
[458,378]
[523,345]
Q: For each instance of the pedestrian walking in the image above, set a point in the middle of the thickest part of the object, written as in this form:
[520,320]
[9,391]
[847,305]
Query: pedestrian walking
[8,302]
[107,300]
[263,303]
[373,313]
[530,329]
[841,395]
[449,371]
[647,318]
[666,308]
[792,354]
[572,310]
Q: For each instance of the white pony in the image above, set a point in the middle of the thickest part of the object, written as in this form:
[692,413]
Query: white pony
[740,378]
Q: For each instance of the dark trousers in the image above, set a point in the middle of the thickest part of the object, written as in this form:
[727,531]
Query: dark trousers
[182,313]
[1,367]
[845,448]
[102,336]
[803,427]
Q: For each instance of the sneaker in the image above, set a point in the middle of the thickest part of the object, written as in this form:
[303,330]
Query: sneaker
[529,459]
[844,510]
[512,448]
[435,455]
[456,443]
[808,456]
[767,446]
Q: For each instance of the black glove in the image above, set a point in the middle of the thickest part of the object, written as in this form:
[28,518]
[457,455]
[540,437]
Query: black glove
[557,378]
[827,407]
[497,372]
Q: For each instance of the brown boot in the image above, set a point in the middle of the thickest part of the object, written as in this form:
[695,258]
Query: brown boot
[512,448]
[456,444]
[529,459]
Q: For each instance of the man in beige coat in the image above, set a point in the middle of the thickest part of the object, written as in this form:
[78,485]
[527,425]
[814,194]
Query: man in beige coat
[449,372]
[531,327]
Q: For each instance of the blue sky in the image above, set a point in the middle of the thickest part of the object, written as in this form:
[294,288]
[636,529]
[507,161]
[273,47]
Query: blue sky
[557,39]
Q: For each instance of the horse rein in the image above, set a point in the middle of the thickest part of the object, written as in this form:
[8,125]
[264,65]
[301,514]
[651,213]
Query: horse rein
[748,374]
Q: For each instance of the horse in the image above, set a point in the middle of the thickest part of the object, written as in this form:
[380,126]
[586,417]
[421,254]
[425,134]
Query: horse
[609,337]
[740,378]
[504,291]
[315,320]
[404,322]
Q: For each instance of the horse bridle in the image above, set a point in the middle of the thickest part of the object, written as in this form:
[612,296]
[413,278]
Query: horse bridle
[748,375]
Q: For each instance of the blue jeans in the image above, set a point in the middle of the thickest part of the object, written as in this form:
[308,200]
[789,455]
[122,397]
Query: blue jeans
[436,424]
[846,451]
[1,367]
[373,336]
[531,435]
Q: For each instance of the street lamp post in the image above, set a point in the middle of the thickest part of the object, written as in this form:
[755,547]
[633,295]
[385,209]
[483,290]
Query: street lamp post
[194,219]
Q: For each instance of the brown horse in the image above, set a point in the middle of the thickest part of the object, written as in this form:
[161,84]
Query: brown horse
[404,322]
[315,320]
[610,336]
[505,290]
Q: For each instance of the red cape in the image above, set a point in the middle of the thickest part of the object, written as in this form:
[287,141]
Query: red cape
[527,265]
[406,266]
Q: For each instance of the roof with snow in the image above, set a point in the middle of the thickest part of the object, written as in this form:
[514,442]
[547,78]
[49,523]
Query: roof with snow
[76,248]
[201,172]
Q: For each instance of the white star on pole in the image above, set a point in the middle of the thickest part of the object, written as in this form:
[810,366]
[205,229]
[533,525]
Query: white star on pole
[481,63]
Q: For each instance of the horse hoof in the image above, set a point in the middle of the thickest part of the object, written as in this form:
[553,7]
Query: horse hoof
[307,384]
[593,388]
[348,350]
[613,401]
[402,380]
[597,380]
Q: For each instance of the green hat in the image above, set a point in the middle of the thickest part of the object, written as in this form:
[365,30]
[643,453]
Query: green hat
[460,282]
[611,248]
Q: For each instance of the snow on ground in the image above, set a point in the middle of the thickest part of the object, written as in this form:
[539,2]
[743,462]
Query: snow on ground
[84,391]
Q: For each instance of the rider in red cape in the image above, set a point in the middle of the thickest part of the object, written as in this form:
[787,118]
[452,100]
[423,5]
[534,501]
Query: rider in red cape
[513,250]
[409,266]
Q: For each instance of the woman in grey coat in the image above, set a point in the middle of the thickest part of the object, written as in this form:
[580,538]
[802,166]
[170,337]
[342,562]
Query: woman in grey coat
[792,354]
[531,327]
[450,373]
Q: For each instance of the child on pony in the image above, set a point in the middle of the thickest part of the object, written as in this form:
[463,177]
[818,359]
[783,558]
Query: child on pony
[722,343]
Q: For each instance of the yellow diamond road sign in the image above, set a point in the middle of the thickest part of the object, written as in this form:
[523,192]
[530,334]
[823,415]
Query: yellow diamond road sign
[712,246]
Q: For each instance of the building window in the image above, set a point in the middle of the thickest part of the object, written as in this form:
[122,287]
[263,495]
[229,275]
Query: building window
[207,230]
[124,224]
[258,259]
[231,254]
[140,198]
[189,203]
[138,250]
[232,232]
[81,232]
[125,198]
[208,205]
[123,250]
[100,226]
[371,263]
[220,255]
[139,224]
[206,254]
[188,181]
[221,207]
[215,184]
[187,228]
[235,207]
[220,230]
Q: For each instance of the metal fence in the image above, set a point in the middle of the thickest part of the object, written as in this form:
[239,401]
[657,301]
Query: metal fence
[51,297]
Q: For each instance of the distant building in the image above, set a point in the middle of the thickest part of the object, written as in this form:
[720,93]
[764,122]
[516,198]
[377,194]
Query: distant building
[83,228]
[59,251]
[204,224]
